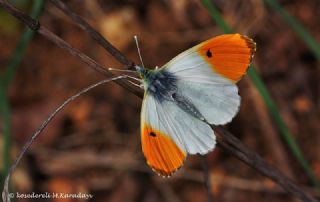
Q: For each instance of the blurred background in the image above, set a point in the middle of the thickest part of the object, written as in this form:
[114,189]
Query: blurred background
[93,146]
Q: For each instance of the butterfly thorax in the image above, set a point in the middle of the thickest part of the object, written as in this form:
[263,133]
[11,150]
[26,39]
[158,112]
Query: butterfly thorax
[159,83]
[162,85]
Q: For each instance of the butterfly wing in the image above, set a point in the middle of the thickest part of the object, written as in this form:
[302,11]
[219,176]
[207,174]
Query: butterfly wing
[207,74]
[168,134]
[226,56]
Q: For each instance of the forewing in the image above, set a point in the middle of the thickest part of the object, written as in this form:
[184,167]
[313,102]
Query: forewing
[227,56]
[207,74]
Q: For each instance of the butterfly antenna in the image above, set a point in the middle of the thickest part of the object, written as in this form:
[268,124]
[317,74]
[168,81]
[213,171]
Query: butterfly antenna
[121,70]
[137,44]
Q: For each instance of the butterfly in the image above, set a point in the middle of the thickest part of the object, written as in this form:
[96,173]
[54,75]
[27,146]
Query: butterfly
[182,98]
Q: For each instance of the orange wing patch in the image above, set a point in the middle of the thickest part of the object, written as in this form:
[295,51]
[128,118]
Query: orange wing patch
[162,154]
[229,54]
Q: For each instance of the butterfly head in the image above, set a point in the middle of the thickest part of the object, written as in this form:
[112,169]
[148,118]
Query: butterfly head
[141,71]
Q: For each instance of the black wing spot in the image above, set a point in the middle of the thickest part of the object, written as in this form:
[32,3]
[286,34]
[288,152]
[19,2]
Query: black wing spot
[209,53]
[174,95]
[152,134]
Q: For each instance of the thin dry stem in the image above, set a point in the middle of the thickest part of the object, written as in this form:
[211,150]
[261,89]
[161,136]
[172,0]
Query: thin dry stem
[5,193]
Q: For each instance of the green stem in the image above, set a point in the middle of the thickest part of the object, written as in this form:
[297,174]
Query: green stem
[5,80]
[297,27]
[284,131]
[215,14]
[257,81]
[6,120]
[24,40]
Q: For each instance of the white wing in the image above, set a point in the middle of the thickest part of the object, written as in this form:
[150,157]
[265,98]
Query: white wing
[213,95]
[189,133]
[218,103]
[186,134]
[207,74]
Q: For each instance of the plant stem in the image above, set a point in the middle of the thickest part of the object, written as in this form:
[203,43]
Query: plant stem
[19,51]
[313,45]
[5,80]
[6,120]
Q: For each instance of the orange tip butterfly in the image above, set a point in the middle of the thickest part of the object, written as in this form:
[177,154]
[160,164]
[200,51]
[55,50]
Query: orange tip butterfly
[193,90]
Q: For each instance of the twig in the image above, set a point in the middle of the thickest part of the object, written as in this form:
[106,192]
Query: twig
[233,145]
[225,139]
[274,143]
[5,193]
[5,80]
[36,26]
[17,55]
[94,34]
[86,59]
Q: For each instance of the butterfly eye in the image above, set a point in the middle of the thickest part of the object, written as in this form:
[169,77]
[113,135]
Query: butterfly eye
[152,134]
[209,53]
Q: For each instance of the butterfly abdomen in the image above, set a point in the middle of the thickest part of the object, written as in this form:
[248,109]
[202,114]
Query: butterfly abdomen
[186,105]
[160,83]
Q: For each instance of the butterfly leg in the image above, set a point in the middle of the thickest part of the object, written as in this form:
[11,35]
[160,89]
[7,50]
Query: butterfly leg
[135,79]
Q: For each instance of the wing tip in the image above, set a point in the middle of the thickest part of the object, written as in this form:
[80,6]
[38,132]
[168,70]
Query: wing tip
[237,50]
[162,154]
[250,44]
